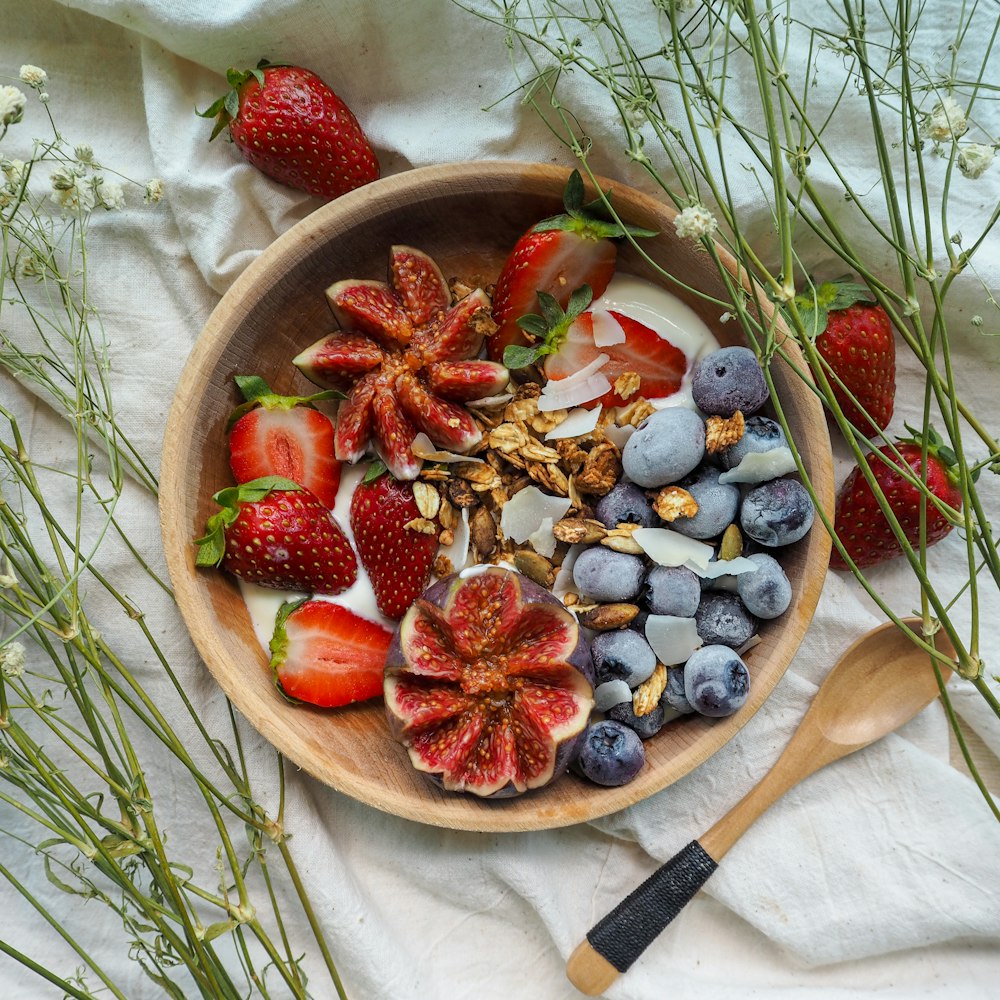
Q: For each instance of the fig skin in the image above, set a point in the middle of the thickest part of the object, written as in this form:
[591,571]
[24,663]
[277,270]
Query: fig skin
[531,593]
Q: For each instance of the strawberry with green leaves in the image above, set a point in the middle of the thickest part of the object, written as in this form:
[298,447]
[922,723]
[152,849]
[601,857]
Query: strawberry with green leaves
[274,435]
[554,257]
[854,336]
[863,528]
[274,533]
[397,558]
[324,654]
[291,126]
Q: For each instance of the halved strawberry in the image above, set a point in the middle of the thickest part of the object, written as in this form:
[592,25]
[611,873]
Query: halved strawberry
[658,363]
[325,654]
[272,435]
[556,256]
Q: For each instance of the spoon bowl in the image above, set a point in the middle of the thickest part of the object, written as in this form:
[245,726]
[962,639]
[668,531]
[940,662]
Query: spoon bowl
[881,681]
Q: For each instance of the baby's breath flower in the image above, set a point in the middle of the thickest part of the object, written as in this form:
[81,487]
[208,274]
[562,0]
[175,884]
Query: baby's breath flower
[109,194]
[62,180]
[153,192]
[12,103]
[84,152]
[14,171]
[68,194]
[12,660]
[33,76]
[43,96]
[7,581]
[946,121]
[975,159]
[694,222]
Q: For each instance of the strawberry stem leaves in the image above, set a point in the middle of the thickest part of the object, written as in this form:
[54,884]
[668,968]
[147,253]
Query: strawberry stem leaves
[257,392]
[591,220]
[815,306]
[550,328]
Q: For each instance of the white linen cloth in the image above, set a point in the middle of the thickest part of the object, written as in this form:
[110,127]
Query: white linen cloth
[878,875]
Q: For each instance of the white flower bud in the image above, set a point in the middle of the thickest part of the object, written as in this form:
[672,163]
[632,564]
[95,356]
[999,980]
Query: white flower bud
[12,660]
[12,103]
[694,222]
[154,191]
[33,76]
[84,152]
[946,121]
[977,320]
[974,159]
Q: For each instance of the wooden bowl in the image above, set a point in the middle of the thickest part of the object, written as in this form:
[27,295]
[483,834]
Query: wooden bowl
[467,216]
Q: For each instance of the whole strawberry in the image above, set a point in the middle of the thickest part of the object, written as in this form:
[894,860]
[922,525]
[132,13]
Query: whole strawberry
[274,533]
[398,558]
[291,126]
[854,336]
[860,524]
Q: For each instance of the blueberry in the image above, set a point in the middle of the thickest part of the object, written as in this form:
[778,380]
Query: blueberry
[666,446]
[611,754]
[729,380]
[608,576]
[673,693]
[622,655]
[765,591]
[716,681]
[626,503]
[644,726]
[639,622]
[777,513]
[717,504]
[760,434]
[672,590]
[722,619]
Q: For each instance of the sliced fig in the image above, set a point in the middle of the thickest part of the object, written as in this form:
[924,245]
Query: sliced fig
[372,308]
[447,425]
[462,381]
[418,281]
[458,335]
[339,357]
[393,432]
[489,684]
[355,420]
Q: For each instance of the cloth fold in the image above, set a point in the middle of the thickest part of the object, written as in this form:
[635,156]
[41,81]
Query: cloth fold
[879,874]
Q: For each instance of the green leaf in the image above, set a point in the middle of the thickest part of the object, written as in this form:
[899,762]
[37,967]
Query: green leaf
[552,312]
[518,356]
[213,109]
[557,222]
[376,469]
[534,324]
[573,193]
[252,387]
[232,104]
[212,545]
[258,74]
[578,301]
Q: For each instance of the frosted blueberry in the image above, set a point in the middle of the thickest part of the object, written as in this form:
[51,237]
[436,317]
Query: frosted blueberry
[643,725]
[666,446]
[765,591]
[716,681]
[760,434]
[717,504]
[611,754]
[778,512]
[622,655]
[729,380]
[625,503]
[607,576]
[673,693]
[672,590]
[723,620]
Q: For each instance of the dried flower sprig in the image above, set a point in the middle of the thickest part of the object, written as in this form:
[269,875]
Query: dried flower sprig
[77,721]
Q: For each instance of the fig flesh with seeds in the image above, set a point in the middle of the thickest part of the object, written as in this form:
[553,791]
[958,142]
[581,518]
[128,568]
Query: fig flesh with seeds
[489,684]
[408,359]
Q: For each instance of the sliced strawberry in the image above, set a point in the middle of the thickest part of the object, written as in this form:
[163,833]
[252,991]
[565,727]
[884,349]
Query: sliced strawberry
[283,436]
[462,381]
[372,308]
[446,424]
[325,654]
[658,363]
[338,358]
[556,256]
[398,558]
[393,432]
[274,533]
[419,283]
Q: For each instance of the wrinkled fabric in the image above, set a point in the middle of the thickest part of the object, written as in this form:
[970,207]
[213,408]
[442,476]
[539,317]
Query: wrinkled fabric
[879,874]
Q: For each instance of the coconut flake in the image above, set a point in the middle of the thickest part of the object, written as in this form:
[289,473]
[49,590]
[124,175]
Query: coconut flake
[760,466]
[489,401]
[671,548]
[458,552]
[577,423]
[580,387]
[673,639]
[527,510]
[563,583]
[754,640]
[619,436]
[726,567]
[607,330]
[543,541]
[611,693]
[423,447]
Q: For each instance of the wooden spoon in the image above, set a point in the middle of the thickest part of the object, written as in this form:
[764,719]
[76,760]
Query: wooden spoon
[880,682]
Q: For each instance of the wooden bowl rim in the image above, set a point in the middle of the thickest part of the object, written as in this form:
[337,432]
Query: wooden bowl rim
[513,815]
